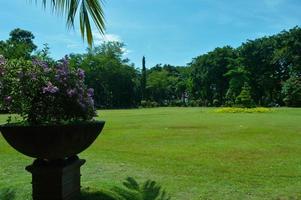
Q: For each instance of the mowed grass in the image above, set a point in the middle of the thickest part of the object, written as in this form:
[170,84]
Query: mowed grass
[194,153]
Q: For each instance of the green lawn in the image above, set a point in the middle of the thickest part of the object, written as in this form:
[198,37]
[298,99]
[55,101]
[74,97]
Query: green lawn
[193,152]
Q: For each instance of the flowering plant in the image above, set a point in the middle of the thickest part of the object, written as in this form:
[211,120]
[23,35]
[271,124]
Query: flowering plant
[43,93]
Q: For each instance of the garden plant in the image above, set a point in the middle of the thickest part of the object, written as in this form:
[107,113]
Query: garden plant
[53,122]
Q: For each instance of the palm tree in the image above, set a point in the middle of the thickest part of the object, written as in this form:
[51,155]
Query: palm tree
[86,9]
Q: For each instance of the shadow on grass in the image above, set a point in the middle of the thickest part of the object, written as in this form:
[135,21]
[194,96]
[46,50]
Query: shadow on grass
[7,194]
[89,194]
[131,190]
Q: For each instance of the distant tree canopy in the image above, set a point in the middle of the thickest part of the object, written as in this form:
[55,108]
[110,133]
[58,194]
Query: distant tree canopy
[115,82]
[266,64]
[261,72]
[19,45]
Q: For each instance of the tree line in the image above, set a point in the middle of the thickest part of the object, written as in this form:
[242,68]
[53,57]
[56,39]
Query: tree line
[261,72]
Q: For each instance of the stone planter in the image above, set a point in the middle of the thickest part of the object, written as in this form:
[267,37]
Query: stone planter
[56,170]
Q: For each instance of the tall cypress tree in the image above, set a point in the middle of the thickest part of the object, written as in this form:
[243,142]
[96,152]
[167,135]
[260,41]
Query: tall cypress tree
[143,80]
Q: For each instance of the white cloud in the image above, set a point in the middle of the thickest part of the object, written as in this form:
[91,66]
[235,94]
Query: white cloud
[112,37]
[126,51]
[99,38]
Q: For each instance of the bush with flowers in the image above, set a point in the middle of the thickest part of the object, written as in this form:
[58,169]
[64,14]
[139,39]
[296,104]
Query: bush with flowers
[243,110]
[42,93]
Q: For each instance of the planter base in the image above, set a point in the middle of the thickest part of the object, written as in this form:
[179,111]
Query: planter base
[56,180]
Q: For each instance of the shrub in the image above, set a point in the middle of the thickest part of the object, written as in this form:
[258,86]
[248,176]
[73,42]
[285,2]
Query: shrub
[144,104]
[154,104]
[41,93]
[149,104]
[230,98]
[192,103]
[177,103]
[243,110]
[244,99]
[216,102]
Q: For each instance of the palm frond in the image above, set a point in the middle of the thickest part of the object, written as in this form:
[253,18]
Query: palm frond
[86,9]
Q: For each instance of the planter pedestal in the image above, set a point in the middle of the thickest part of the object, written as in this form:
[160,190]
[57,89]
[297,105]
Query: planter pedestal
[56,180]
[53,178]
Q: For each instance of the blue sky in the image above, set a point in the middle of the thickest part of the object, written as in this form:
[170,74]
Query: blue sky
[165,31]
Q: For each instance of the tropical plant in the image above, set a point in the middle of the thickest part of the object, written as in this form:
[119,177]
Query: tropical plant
[41,93]
[85,9]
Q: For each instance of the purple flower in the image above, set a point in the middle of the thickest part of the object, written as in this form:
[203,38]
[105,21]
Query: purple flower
[32,75]
[64,61]
[91,101]
[71,92]
[81,74]
[62,71]
[21,75]
[50,88]
[90,92]
[1,71]
[82,105]
[2,63]
[8,99]
[41,64]
[80,90]
[2,60]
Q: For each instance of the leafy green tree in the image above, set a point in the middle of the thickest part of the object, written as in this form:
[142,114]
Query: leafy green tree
[291,91]
[44,54]
[288,52]
[157,86]
[208,80]
[244,99]
[167,84]
[237,75]
[115,82]
[258,59]
[19,45]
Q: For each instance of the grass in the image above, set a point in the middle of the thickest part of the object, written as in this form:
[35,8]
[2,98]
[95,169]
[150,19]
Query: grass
[194,153]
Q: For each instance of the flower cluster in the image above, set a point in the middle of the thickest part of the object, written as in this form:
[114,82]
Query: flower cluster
[45,93]
[242,110]
[50,88]
[2,63]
